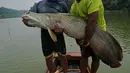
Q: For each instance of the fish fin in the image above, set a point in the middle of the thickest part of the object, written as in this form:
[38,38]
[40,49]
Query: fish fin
[52,35]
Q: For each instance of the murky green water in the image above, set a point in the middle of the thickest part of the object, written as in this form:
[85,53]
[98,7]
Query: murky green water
[20,48]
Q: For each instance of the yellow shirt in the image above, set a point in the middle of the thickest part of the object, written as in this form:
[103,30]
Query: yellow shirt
[85,7]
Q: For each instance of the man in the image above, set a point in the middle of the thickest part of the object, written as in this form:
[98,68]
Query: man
[48,46]
[93,12]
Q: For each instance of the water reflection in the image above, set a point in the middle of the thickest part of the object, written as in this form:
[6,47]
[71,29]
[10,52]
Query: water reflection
[118,24]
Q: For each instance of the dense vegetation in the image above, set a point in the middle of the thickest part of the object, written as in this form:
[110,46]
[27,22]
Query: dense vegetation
[116,4]
[108,5]
[10,13]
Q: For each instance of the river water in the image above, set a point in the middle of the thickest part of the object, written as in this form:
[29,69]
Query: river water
[20,48]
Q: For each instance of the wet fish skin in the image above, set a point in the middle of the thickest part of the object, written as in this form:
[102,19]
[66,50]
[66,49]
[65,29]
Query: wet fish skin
[107,48]
[68,23]
[104,45]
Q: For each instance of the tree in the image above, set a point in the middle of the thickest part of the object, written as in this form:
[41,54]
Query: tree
[34,8]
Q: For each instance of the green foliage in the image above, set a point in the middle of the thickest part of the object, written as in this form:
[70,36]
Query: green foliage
[10,13]
[33,8]
[112,4]
[70,3]
[116,4]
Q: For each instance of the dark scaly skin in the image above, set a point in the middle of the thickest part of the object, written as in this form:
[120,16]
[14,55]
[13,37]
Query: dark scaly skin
[106,48]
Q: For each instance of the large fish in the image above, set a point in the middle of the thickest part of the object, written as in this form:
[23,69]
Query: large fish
[104,45]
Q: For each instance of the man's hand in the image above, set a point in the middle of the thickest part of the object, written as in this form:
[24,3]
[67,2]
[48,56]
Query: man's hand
[90,29]
[81,43]
[58,27]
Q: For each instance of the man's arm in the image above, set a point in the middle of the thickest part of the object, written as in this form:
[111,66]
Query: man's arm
[90,29]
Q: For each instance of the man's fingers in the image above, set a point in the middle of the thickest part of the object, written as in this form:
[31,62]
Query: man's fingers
[83,44]
[58,27]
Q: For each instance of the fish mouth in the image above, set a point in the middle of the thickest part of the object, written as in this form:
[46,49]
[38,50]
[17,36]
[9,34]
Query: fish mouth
[29,19]
[24,17]
[26,21]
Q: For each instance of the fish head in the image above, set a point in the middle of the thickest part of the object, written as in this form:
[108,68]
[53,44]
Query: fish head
[42,21]
[33,19]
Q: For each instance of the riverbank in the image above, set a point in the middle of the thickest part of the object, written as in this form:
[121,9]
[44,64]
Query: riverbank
[10,13]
